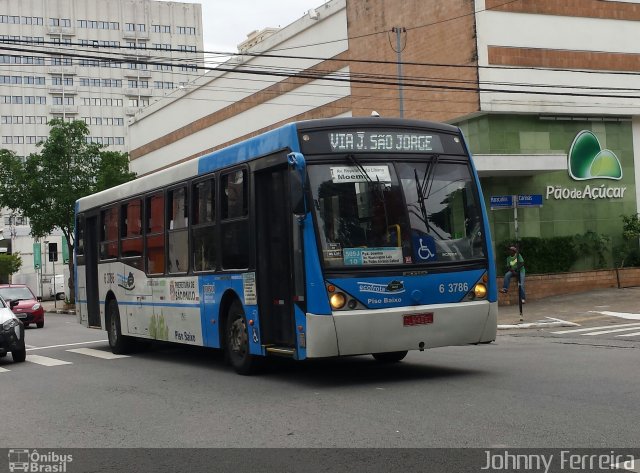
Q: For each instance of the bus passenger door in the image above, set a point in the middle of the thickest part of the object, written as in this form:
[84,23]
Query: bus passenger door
[274,268]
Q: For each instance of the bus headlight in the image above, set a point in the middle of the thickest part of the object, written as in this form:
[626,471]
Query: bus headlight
[480,291]
[337,300]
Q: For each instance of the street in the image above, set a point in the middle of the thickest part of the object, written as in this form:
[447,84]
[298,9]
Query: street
[530,388]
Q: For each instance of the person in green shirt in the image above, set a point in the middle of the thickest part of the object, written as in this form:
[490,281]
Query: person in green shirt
[515,267]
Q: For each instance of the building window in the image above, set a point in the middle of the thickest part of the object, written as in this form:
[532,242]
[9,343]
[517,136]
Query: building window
[189,30]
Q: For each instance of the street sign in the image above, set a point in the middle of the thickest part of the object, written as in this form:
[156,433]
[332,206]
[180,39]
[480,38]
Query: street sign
[65,250]
[37,256]
[501,202]
[530,200]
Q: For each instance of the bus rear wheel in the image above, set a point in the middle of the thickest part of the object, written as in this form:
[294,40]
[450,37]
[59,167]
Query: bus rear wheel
[390,356]
[119,343]
[237,342]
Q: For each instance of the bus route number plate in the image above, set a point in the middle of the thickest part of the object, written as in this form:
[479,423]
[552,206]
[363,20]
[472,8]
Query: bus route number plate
[411,320]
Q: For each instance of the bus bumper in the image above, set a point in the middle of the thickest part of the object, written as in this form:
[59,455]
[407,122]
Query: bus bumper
[376,331]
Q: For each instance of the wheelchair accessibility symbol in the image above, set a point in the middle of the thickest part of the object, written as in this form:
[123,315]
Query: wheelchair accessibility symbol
[424,248]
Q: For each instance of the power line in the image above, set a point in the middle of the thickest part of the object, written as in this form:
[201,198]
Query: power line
[327,76]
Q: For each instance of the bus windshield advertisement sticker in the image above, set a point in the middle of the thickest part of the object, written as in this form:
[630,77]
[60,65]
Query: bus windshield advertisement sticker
[249,288]
[341,174]
[366,256]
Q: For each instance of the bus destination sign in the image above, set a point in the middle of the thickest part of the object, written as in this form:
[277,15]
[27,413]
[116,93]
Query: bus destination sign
[380,140]
[384,141]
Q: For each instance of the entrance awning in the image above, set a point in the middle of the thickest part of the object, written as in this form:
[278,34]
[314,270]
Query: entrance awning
[490,165]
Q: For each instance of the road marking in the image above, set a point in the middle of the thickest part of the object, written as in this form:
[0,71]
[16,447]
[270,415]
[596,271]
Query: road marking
[622,315]
[565,322]
[596,328]
[46,361]
[67,345]
[105,355]
[3,370]
[603,332]
[636,334]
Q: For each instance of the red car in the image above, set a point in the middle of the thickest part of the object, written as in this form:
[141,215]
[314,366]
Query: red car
[23,303]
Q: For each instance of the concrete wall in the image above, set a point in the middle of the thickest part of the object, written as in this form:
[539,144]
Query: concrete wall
[539,286]
[551,41]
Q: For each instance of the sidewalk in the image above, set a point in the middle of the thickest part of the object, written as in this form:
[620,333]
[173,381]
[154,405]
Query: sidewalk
[56,307]
[572,309]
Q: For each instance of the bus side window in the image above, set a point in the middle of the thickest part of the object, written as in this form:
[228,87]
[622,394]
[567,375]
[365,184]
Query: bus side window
[109,233]
[131,244]
[155,233]
[177,236]
[203,241]
[234,222]
[80,235]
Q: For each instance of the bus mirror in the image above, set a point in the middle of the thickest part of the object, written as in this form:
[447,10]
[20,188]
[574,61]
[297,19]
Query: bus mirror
[297,179]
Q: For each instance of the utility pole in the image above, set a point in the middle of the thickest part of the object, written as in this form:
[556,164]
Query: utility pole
[398,30]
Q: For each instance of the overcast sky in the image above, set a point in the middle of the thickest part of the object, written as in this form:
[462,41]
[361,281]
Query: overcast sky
[226,23]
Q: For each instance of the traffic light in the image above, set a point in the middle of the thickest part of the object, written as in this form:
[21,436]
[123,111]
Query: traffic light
[53,252]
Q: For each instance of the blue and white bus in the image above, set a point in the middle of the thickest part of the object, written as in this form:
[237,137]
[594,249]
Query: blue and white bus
[321,238]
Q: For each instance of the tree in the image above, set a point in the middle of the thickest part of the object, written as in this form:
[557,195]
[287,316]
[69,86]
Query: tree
[46,186]
[9,264]
[627,252]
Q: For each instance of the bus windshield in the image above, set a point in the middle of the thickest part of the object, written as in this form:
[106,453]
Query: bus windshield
[401,213]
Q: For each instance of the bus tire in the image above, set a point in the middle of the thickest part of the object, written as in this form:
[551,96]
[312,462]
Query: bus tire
[119,343]
[19,355]
[237,342]
[390,356]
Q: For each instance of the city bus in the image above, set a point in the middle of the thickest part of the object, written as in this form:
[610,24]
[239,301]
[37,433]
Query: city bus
[321,238]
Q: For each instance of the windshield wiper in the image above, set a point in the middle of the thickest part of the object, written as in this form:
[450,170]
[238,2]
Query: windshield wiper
[360,168]
[424,190]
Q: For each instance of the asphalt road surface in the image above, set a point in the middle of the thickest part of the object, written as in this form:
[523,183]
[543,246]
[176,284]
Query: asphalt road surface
[528,389]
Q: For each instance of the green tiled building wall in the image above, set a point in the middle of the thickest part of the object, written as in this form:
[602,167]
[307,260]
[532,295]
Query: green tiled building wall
[522,134]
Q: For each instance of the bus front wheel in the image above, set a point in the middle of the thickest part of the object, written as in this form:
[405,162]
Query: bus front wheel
[119,343]
[237,342]
[390,356]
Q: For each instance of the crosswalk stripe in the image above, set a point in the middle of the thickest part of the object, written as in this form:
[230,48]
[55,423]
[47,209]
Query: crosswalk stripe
[603,332]
[636,334]
[105,355]
[46,361]
[596,328]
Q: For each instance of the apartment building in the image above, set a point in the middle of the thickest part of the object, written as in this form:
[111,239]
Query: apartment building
[97,61]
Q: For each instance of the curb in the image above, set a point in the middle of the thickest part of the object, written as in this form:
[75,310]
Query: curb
[62,311]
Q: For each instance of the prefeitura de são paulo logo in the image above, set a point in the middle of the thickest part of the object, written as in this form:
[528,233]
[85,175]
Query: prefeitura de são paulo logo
[24,459]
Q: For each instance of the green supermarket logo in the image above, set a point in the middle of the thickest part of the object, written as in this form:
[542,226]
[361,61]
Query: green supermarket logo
[587,159]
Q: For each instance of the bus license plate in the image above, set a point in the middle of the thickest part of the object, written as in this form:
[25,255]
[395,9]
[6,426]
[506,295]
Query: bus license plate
[411,320]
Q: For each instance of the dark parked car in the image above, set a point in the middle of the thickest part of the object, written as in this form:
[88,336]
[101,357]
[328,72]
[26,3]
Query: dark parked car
[11,334]
[23,303]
